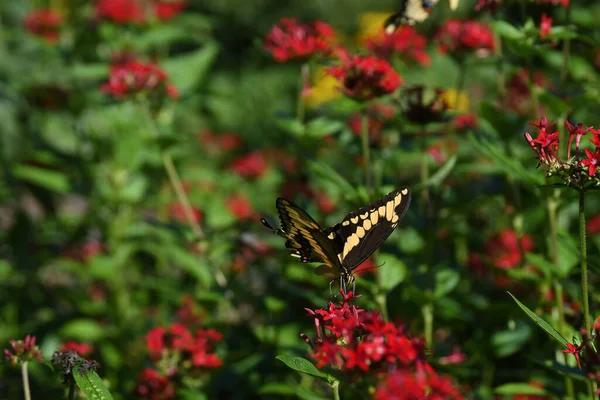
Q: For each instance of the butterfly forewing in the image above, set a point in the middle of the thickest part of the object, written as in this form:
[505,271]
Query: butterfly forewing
[364,230]
[411,12]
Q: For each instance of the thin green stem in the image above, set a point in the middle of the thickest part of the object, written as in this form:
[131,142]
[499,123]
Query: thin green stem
[72,389]
[427,311]
[566,49]
[300,105]
[366,151]
[25,375]
[583,256]
[335,387]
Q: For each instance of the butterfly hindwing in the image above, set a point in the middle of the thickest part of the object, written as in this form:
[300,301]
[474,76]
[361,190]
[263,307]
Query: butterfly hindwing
[364,230]
[305,238]
[411,12]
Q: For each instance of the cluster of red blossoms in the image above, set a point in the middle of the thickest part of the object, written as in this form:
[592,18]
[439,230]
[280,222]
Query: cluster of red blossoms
[456,35]
[138,11]
[291,39]
[135,77]
[176,352]
[586,353]
[576,169]
[365,77]
[404,41]
[23,351]
[358,341]
[44,23]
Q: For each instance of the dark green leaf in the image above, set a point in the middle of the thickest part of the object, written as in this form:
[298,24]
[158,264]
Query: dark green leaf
[506,30]
[51,180]
[391,272]
[323,126]
[445,281]
[519,388]
[541,323]
[306,367]
[85,330]
[91,385]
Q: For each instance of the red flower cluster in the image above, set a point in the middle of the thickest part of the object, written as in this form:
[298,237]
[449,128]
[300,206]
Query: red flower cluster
[291,39]
[546,146]
[488,5]
[464,122]
[251,165]
[240,207]
[23,351]
[136,11]
[44,23]
[154,386]
[505,250]
[457,35]
[217,143]
[545,25]
[518,96]
[196,348]
[592,226]
[177,213]
[424,384]
[565,3]
[138,77]
[364,78]
[405,42]
[86,251]
[83,349]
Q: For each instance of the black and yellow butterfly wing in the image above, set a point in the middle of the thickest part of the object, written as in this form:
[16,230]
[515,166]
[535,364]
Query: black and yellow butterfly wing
[362,231]
[411,12]
[346,245]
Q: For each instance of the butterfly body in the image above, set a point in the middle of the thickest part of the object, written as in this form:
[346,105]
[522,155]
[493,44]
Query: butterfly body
[344,246]
[411,12]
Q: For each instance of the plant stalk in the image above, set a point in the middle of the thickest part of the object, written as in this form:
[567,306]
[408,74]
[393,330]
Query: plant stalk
[366,150]
[25,375]
[583,257]
[335,386]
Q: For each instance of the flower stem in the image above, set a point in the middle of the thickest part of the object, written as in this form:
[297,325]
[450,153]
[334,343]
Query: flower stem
[25,375]
[583,255]
[427,311]
[366,150]
[335,386]
[72,390]
[566,49]
[300,105]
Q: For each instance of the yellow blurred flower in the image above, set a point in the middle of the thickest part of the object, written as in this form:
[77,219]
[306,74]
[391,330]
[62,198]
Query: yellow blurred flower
[371,24]
[458,101]
[323,89]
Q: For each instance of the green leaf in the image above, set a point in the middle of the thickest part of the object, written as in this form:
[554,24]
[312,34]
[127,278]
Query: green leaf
[323,126]
[291,126]
[541,323]
[445,281]
[91,385]
[511,341]
[439,176]
[519,388]
[306,367]
[83,330]
[327,173]
[285,389]
[391,272]
[506,30]
[411,241]
[196,266]
[188,71]
[546,266]
[51,180]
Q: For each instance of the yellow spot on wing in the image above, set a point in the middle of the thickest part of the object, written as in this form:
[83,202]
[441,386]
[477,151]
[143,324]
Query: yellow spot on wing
[374,219]
[354,220]
[360,231]
[346,223]
[405,191]
[381,211]
[395,219]
[367,223]
[397,200]
[365,215]
[389,212]
[351,242]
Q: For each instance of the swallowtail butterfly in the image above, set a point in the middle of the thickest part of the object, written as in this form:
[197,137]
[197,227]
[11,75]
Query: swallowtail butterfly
[412,12]
[344,246]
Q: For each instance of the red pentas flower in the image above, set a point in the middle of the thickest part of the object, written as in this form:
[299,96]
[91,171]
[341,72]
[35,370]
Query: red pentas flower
[546,144]
[177,212]
[44,23]
[425,383]
[23,351]
[240,207]
[592,225]
[358,341]
[251,165]
[465,122]
[488,5]
[83,349]
[458,35]
[565,3]
[137,77]
[166,10]
[545,25]
[154,386]
[506,250]
[364,78]
[121,11]
[518,96]
[291,39]
[404,42]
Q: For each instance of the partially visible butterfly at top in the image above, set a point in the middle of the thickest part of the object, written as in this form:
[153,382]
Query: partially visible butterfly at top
[344,246]
[412,12]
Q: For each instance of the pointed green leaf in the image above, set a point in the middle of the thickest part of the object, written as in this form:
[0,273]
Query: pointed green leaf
[91,385]
[541,323]
[520,388]
[51,180]
[303,365]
